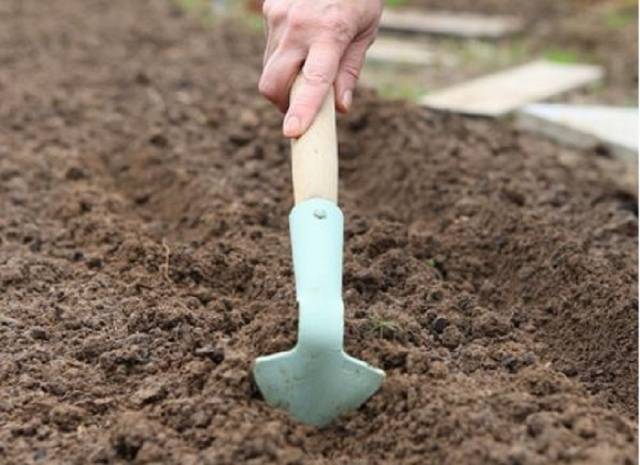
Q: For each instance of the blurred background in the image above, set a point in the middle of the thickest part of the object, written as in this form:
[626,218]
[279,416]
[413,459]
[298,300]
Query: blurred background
[602,32]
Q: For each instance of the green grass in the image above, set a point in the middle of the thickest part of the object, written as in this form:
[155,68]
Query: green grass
[618,19]
[395,3]
[194,6]
[485,55]
[382,326]
[400,91]
[255,22]
[191,4]
[200,10]
[558,55]
[437,267]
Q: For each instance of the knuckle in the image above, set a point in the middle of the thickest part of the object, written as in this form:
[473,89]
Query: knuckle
[267,7]
[274,10]
[267,89]
[297,18]
[352,65]
[317,77]
[352,70]
[338,26]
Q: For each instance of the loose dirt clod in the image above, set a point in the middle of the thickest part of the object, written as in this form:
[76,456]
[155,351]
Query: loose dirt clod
[542,292]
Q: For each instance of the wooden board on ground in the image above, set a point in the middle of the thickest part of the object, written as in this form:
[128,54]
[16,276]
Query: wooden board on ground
[465,25]
[585,126]
[504,92]
[397,51]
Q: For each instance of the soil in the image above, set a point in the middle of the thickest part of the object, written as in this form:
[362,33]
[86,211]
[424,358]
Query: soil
[145,262]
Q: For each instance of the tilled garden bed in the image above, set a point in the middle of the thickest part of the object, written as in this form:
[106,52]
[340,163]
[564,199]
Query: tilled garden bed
[145,262]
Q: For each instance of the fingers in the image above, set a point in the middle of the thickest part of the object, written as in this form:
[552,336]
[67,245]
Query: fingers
[278,75]
[330,37]
[348,74]
[318,75]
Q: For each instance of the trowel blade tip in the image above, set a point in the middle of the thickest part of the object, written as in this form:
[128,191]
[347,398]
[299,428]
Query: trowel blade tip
[316,389]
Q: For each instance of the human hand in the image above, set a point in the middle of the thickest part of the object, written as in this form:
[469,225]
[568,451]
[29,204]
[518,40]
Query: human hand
[328,39]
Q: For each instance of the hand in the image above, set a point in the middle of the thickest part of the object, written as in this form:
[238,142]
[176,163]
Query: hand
[328,39]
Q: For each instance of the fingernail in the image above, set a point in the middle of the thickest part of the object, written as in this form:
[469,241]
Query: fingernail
[347,98]
[292,126]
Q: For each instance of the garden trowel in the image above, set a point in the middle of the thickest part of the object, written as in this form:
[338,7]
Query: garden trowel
[317,381]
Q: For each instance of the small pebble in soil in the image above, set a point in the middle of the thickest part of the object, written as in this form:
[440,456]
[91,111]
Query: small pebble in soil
[142,198]
[153,392]
[36,245]
[24,429]
[7,321]
[567,368]
[142,78]
[395,360]
[510,363]
[248,119]
[203,294]
[585,428]
[159,140]
[9,275]
[129,434]
[490,324]
[66,417]
[201,419]
[451,337]
[239,137]
[539,422]
[75,174]
[439,325]
[38,333]
[94,263]
[528,358]
[438,370]
[215,354]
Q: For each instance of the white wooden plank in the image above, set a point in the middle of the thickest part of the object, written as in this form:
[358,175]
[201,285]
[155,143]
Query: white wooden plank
[467,25]
[399,52]
[585,126]
[501,93]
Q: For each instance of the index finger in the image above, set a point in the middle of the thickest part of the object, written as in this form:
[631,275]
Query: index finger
[318,75]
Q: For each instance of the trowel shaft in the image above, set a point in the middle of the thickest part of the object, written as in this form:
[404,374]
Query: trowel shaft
[315,156]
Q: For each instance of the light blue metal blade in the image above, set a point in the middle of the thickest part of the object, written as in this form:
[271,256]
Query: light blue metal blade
[315,388]
[317,381]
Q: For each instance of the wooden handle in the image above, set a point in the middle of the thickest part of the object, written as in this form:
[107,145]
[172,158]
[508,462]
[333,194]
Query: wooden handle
[314,156]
